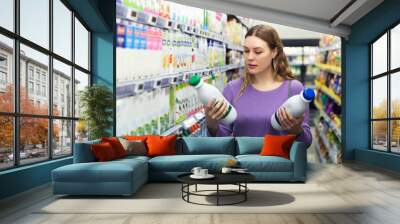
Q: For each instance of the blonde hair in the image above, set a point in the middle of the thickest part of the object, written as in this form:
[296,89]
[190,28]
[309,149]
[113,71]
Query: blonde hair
[280,63]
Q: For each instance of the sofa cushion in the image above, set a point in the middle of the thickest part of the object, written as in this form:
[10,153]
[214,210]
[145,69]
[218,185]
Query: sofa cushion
[207,145]
[277,145]
[161,145]
[116,145]
[249,145]
[112,171]
[185,163]
[134,147]
[132,158]
[257,163]
[103,152]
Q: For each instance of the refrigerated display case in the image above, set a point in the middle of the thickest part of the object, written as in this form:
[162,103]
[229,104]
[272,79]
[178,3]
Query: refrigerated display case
[160,44]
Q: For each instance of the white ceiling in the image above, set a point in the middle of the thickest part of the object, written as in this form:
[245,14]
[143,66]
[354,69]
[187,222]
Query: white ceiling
[313,15]
[288,32]
[320,9]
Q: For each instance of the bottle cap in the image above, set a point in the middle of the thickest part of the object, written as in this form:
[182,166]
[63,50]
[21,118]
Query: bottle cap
[308,94]
[194,80]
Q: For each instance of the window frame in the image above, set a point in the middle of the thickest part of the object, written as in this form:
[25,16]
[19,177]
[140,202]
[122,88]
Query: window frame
[388,74]
[16,114]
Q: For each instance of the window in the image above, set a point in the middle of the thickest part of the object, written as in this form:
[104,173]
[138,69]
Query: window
[30,87]
[37,148]
[3,61]
[38,89]
[6,73]
[55,127]
[30,73]
[81,81]
[35,22]
[44,91]
[7,14]
[62,140]
[62,74]
[6,142]
[3,78]
[385,97]
[81,45]
[62,29]
[38,74]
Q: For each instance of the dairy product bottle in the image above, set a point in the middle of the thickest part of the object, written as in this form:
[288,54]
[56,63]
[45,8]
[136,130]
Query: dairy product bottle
[295,105]
[207,92]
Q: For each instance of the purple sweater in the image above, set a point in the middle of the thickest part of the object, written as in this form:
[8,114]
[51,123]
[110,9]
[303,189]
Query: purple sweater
[255,108]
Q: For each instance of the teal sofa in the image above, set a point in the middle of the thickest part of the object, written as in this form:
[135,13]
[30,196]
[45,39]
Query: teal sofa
[125,176]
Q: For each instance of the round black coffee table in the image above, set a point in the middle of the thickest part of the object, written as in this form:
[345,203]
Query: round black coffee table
[238,179]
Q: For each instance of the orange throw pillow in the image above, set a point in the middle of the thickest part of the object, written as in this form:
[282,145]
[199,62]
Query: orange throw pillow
[116,145]
[277,145]
[103,152]
[161,145]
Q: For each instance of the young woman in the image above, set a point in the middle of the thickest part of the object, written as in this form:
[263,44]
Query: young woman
[266,85]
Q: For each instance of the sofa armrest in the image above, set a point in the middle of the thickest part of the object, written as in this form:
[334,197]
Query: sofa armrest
[298,155]
[83,153]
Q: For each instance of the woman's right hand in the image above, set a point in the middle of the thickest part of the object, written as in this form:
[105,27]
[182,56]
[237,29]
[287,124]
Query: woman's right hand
[215,110]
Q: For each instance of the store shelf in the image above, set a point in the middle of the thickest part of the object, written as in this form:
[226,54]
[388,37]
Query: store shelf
[198,117]
[335,46]
[295,63]
[234,47]
[126,14]
[174,130]
[134,87]
[318,149]
[300,64]
[329,92]
[328,120]
[330,68]
[294,54]
[333,150]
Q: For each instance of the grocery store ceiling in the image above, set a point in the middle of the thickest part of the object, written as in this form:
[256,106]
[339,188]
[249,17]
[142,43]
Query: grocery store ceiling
[324,16]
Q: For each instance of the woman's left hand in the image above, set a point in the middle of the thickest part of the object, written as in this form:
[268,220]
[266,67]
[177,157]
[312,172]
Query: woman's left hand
[290,123]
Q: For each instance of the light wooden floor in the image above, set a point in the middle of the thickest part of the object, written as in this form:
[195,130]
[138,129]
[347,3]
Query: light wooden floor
[378,188]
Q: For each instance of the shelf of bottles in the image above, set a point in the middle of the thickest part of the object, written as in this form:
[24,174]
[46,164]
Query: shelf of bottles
[302,60]
[328,100]
[160,45]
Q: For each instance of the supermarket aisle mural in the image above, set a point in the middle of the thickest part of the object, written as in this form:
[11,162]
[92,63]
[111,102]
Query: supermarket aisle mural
[160,45]
[328,102]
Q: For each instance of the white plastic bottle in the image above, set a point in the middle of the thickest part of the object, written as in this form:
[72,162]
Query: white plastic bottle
[207,92]
[295,105]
